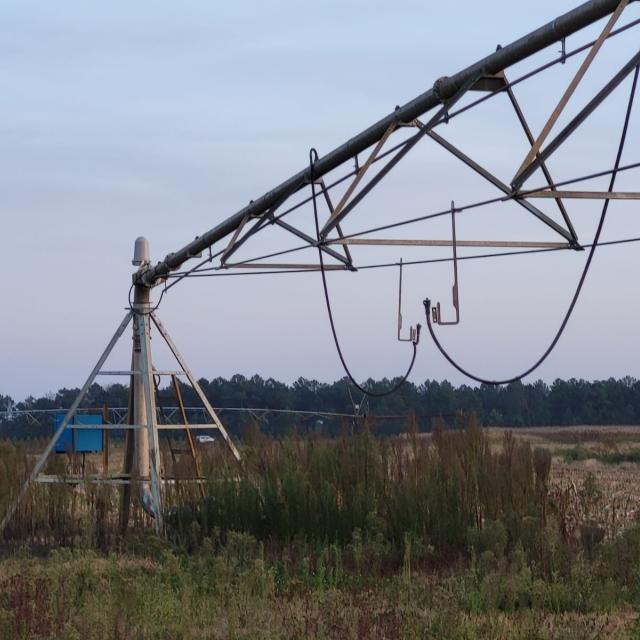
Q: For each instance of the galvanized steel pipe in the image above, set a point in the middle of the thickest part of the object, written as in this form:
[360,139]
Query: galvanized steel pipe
[443,89]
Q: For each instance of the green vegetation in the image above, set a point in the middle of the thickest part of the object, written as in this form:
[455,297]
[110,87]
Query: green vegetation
[237,591]
[578,453]
[434,492]
[449,535]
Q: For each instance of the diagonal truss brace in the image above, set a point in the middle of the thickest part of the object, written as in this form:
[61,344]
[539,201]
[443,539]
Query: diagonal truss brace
[327,198]
[261,221]
[64,424]
[582,115]
[586,63]
[237,241]
[548,34]
[269,217]
[198,389]
[312,241]
[487,175]
[543,165]
[343,209]
[142,330]
[335,214]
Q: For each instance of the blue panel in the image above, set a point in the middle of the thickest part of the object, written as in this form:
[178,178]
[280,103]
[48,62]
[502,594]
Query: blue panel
[86,440]
[64,444]
[88,418]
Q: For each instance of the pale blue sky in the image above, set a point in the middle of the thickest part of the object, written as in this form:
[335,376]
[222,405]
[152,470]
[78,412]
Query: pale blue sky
[160,119]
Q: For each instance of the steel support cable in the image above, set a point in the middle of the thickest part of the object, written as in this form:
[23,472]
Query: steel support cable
[508,85]
[484,203]
[473,205]
[265,256]
[408,263]
[193,269]
[515,52]
[447,212]
[585,271]
[313,155]
[558,60]
[200,270]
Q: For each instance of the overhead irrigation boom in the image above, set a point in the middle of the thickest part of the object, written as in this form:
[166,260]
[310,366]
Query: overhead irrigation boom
[444,90]
[344,172]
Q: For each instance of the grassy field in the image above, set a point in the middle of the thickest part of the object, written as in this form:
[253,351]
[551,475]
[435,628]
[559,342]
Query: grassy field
[471,533]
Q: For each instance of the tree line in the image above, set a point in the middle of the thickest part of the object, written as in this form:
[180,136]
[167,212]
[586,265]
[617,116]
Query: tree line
[562,403]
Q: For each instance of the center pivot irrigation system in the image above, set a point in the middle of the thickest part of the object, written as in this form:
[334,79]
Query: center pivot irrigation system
[333,185]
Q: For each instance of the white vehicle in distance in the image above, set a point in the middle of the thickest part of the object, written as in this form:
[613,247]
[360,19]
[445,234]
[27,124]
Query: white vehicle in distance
[205,439]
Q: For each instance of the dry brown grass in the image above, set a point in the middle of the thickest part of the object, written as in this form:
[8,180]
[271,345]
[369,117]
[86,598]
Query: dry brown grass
[616,502]
[270,596]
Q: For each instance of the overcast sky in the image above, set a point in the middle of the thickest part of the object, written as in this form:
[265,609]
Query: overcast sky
[161,119]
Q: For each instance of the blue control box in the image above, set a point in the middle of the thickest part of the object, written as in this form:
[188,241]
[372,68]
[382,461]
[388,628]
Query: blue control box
[79,440]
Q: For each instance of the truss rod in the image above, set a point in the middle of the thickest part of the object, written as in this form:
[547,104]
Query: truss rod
[388,265]
[443,89]
[264,218]
[577,120]
[393,242]
[312,241]
[201,271]
[507,87]
[586,195]
[483,203]
[472,164]
[545,171]
[425,128]
[535,147]
[286,265]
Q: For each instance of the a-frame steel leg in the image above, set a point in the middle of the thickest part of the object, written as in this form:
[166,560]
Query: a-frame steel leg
[144,371]
[152,422]
[63,425]
[196,386]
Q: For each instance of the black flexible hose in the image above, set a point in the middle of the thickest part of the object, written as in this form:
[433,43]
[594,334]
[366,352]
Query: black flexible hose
[313,156]
[144,313]
[585,271]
